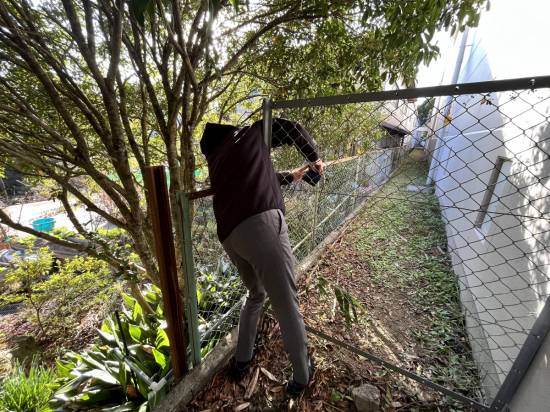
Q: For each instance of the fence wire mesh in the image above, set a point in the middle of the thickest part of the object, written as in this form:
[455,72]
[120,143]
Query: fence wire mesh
[465,178]
[312,212]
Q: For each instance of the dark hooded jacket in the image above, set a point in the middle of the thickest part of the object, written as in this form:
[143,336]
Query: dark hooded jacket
[241,173]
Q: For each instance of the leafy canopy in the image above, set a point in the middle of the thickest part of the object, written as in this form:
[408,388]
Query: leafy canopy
[94,91]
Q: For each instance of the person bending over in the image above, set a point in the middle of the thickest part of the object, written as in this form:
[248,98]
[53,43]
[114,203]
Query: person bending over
[249,211]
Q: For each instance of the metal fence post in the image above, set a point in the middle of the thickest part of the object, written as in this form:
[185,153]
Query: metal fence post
[357,185]
[267,113]
[190,286]
[159,210]
[525,357]
[316,198]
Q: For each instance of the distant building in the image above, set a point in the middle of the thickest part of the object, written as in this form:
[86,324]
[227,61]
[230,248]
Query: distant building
[395,135]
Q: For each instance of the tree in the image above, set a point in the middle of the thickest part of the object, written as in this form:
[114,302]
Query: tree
[93,91]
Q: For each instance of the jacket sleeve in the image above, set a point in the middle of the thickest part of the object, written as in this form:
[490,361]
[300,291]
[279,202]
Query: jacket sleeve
[284,178]
[292,133]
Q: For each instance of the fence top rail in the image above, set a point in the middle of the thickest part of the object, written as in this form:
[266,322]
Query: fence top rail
[447,90]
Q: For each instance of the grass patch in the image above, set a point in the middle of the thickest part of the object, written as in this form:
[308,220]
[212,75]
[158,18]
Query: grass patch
[27,389]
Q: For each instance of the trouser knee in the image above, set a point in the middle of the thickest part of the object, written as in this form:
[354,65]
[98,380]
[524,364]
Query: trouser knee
[256,300]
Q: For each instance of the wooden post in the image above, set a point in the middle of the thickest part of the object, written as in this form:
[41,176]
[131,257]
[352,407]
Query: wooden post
[159,210]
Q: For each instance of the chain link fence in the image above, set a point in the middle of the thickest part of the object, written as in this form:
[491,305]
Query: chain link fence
[312,212]
[472,160]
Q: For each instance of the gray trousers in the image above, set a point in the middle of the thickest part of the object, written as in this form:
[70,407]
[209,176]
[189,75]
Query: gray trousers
[260,249]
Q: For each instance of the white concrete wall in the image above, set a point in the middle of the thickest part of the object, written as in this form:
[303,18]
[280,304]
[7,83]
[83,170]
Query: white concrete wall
[504,263]
[503,266]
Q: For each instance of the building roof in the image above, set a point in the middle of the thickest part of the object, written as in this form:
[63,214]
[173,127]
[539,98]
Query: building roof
[394,127]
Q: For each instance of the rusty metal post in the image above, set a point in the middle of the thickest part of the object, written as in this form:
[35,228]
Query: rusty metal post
[159,210]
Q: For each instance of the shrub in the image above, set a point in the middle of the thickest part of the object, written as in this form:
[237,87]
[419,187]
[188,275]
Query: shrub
[26,279]
[64,233]
[59,292]
[80,284]
[27,392]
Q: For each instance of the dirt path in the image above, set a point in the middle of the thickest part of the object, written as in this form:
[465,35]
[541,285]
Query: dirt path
[392,268]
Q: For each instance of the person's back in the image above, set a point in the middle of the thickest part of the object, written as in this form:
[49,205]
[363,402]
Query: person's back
[241,174]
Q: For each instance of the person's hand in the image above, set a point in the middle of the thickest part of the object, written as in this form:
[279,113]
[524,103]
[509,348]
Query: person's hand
[298,173]
[318,166]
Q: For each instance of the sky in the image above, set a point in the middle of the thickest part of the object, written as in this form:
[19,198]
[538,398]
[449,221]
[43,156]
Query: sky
[511,38]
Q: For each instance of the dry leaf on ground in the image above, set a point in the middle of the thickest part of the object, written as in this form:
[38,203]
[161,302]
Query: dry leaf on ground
[242,406]
[269,375]
[252,385]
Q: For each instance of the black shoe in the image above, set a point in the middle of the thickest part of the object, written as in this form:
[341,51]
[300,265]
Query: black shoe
[237,369]
[295,389]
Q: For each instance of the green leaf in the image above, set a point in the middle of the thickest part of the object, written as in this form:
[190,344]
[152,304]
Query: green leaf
[108,326]
[200,298]
[142,387]
[162,341]
[137,313]
[135,332]
[107,338]
[99,394]
[122,375]
[64,368]
[102,376]
[129,301]
[160,358]
[91,362]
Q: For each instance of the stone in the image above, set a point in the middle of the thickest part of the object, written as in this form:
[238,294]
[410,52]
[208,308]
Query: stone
[366,398]
[24,348]
[419,188]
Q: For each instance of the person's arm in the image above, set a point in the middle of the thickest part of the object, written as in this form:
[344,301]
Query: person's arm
[292,133]
[286,178]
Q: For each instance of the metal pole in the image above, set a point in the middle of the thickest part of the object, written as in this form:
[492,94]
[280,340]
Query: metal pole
[316,199]
[159,210]
[523,361]
[492,86]
[405,372]
[356,180]
[267,119]
[190,286]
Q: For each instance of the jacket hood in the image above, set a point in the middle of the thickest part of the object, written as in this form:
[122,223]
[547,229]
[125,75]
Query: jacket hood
[213,135]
